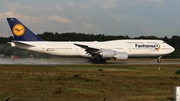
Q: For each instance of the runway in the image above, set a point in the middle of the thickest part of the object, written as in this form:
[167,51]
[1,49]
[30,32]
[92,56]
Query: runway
[66,61]
[146,63]
[43,61]
[76,61]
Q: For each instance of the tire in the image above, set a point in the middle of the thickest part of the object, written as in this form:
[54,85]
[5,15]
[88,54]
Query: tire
[158,61]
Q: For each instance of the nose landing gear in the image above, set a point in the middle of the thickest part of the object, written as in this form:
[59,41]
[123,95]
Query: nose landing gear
[159,59]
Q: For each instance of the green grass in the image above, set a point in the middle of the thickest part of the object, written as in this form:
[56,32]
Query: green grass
[88,82]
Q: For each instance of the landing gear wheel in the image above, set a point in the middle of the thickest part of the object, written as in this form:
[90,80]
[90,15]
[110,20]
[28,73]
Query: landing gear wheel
[97,60]
[158,61]
[102,60]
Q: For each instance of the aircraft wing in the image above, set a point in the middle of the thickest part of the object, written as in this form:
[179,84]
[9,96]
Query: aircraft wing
[21,44]
[103,54]
[90,50]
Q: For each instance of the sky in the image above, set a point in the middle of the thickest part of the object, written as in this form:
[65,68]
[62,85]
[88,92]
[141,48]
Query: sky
[133,18]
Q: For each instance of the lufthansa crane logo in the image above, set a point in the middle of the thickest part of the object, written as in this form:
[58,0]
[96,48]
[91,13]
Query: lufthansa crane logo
[18,30]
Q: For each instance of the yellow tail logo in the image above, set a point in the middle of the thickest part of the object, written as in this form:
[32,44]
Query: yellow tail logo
[18,30]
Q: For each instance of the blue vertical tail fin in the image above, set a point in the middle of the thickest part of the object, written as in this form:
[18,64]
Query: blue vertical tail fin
[21,32]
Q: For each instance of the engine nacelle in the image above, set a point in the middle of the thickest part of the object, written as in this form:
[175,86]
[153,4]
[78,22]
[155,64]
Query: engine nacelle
[105,53]
[121,56]
[109,54]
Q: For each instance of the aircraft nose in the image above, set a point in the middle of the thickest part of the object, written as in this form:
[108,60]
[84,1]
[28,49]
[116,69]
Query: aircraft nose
[173,49]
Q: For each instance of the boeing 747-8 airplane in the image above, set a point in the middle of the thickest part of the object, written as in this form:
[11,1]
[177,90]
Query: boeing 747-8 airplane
[96,51]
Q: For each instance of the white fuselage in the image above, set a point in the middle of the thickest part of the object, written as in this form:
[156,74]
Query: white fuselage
[134,48]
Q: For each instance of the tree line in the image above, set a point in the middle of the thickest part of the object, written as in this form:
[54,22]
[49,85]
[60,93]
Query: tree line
[7,50]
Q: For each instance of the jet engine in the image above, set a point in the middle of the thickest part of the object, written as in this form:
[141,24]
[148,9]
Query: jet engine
[121,56]
[108,54]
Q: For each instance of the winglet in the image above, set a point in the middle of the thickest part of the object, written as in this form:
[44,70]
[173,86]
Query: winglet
[21,32]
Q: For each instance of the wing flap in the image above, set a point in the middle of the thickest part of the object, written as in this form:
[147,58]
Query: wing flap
[21,44]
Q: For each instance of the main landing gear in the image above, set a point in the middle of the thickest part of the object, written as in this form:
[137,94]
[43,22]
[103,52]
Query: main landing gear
[159,59]
[97,60]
